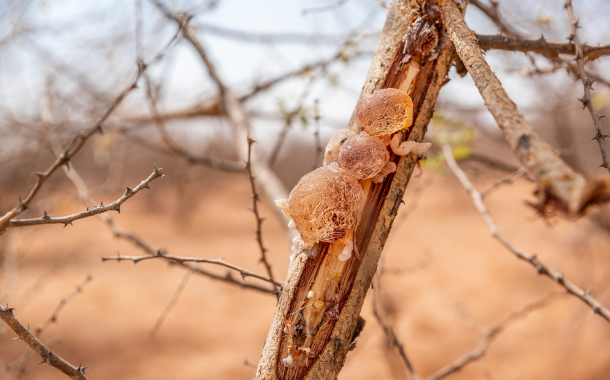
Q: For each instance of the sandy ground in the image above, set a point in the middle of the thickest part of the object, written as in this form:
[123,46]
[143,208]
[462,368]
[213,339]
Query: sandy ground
[215,327]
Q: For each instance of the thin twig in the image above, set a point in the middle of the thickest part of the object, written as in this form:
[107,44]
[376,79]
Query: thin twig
[17,362]
[512,177]
[316,135]
[587,85]
[62,302]
[559,63]
[114,206]
[325,8]
[79,140]
[172,301]
[490,336]
[181,260]
[49,321]
[48,356]
[540,46]
[570,287]
[254,208]
[387,329]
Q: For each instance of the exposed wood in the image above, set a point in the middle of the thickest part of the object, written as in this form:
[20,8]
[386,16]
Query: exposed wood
[318,331]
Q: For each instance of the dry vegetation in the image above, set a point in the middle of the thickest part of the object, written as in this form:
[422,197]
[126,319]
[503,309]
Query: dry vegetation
[137,272]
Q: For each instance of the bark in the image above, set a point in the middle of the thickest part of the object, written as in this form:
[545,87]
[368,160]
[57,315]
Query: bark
[559,187]
[324,325]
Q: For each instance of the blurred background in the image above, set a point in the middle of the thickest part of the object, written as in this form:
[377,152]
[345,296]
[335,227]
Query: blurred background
[298,67]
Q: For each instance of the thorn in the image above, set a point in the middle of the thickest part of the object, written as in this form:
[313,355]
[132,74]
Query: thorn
[587,292]
[599,117]
[603,165]
[402,202]
[583,100]
[539,269]
[100,129]
[542,38]
[102,204]
[559,279]
[70,223]
[67,163]
[595,310]
[87,208]
[39,174]
[9,309]
[128,190]
[118,209]
[46,216]
[147,187]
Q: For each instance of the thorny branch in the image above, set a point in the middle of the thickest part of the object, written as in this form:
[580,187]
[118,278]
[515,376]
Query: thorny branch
[387,329]
[559,187]
[494,15]
[79,140]
[183,260]
[587,85]
[121,233]
[48,356]
[266,179]
[174,147]
[493,332]
[583,295]
[254,208]
[540,46]
[114,206]
[17,362]
[52,319]
[62,302]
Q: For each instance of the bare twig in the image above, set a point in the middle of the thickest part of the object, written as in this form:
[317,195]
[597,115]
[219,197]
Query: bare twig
[172,301]
[174,147]
[48,356]
[559,186]
[182,260]
[587,85]
[387,329]
[512,177]
[254,208]
[490,336]
[121,233]
[325,8]
[49,321]
[583,295]
[79,140]
[62,302]
[316,135]
[114,206]
[266,179]
[540,46]
[559,63]
[17,362]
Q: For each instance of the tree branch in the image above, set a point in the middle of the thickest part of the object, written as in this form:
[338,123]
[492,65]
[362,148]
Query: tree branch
[114,206]
[267,180]
[254,208]
[48,356]
[540,46]
[493,13]
[559,186]
[478,353]
[586,82]
[584,296]
[79,140]
[182,260]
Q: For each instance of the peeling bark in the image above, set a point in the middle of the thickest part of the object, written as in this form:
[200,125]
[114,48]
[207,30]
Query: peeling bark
[314,330]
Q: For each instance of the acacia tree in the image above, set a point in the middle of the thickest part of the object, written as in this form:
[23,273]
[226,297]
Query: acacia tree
[420,42]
